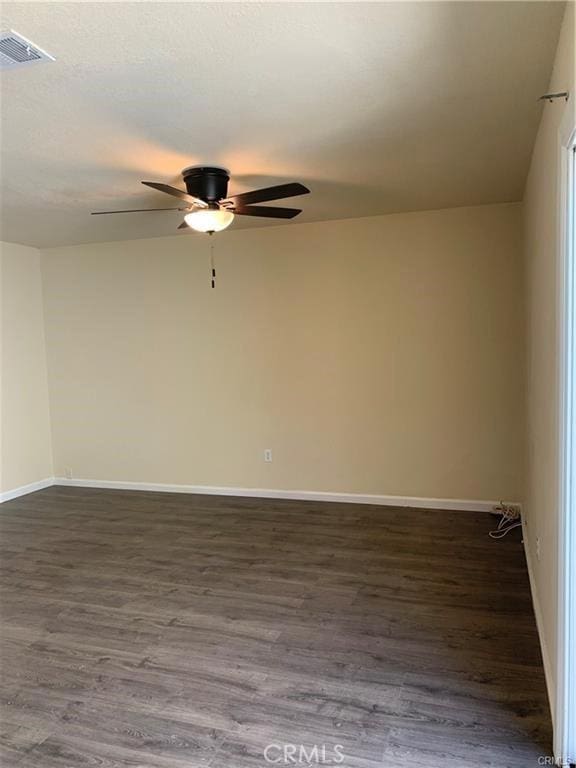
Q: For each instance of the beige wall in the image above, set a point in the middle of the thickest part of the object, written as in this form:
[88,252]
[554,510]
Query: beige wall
[379,355]
[541,255]
[26,453]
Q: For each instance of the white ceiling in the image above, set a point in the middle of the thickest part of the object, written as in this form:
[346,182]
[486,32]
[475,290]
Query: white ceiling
[377,107]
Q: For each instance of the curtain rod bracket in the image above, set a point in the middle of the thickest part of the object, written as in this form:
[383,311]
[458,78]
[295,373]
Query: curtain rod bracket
[551,96]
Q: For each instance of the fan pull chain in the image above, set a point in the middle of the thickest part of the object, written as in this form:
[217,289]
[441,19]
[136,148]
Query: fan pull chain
[212,267]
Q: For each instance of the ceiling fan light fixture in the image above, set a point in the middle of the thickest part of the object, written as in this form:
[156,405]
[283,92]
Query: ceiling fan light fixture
[209,219]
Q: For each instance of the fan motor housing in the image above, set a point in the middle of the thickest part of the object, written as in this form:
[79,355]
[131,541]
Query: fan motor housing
[209,183]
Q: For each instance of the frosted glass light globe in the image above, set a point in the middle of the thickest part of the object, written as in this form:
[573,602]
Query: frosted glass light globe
[209,219]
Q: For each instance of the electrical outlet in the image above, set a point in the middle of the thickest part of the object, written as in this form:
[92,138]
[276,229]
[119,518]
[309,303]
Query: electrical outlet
[538,548]
[68,473]
[268,455]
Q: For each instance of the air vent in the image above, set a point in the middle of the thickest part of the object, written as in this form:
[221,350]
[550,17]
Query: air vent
[17,51]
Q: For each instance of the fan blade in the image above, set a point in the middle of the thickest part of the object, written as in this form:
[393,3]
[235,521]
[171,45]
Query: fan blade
[176,193]
[136,210]
[183,226]
[266,211]
[268,194]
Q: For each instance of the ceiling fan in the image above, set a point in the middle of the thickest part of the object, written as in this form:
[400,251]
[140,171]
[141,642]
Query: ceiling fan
[209,208]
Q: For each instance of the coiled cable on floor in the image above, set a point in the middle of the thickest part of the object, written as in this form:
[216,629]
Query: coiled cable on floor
[510,519]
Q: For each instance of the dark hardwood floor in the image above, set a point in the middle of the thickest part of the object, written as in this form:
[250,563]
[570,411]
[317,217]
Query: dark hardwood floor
[146,630]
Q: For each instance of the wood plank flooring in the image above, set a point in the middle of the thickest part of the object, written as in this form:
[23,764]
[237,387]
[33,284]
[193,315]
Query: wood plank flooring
[146,630]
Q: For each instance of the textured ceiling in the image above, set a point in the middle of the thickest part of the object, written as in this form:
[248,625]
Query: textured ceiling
[377,107]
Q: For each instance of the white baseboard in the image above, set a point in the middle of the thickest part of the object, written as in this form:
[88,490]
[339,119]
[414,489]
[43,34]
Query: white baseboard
[417,502]
[14,493]
[420,502]
[539,622]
